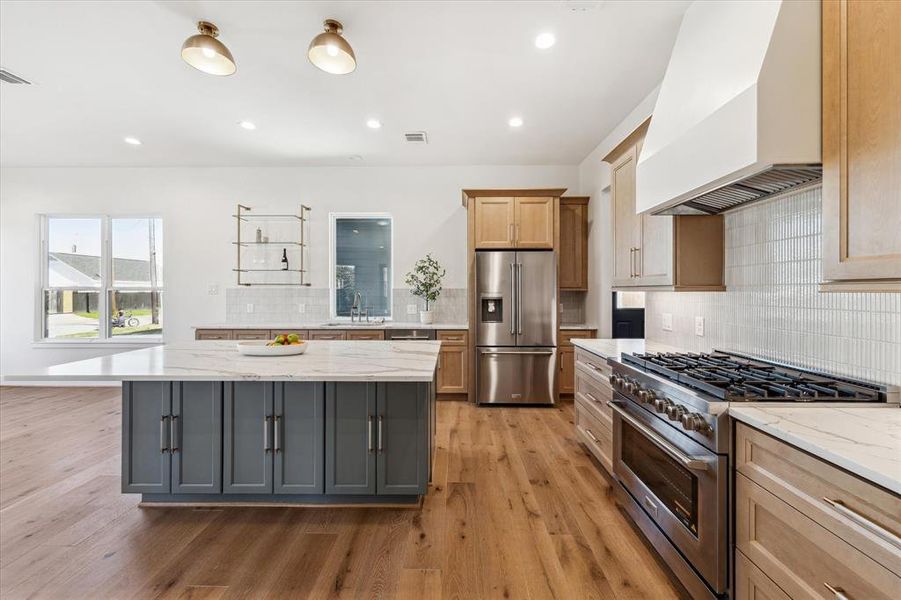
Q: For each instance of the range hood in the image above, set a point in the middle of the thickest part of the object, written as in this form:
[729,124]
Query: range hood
[737,118]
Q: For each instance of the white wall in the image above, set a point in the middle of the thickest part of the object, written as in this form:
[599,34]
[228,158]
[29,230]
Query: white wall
[594,181]
[196,204]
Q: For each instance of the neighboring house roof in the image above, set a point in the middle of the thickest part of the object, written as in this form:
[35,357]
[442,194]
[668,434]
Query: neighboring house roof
[74,270]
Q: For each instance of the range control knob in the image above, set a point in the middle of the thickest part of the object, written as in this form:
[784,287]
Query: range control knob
[661,404]
[646,396]
[629,386]
[615,380]
[694,422]
[675,412]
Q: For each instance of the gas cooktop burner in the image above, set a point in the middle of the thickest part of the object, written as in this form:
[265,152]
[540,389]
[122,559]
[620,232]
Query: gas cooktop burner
[736,378]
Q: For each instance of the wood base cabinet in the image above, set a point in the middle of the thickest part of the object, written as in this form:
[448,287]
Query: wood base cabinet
[453,362]
[594,419]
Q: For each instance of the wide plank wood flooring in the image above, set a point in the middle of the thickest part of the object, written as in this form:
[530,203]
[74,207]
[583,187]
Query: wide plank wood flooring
[517,510]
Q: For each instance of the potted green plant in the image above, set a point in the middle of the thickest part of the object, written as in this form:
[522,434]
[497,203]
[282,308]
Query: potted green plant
[425,282]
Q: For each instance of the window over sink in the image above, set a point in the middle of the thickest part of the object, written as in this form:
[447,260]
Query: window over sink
[360,264]
[101,279]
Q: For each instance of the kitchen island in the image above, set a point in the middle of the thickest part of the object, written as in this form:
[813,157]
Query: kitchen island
[344,423]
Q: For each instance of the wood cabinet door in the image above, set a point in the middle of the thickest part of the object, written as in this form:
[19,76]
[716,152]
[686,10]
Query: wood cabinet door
[196,437]
[402,438]
[654,258]
[247,443]
[752,584]
[350,438]
[573,257]
[146,437]
[567,371]
[452,369]
[494,222]
[626,224]
[328,334]
[534,222]
[861,140]
[298,438]
[365,335]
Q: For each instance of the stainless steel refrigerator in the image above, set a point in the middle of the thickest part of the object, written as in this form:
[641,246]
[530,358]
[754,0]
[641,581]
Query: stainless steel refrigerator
[516,332]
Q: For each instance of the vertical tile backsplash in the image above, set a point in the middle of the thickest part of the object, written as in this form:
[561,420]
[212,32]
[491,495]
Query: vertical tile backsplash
[282,305]
[572,308]
[772,307]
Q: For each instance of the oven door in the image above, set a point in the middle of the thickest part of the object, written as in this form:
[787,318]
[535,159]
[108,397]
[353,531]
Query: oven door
[679,484]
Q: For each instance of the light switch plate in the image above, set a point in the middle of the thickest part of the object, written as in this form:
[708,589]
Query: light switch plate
[667,321]
[249,307]
[699,326]
[411,309]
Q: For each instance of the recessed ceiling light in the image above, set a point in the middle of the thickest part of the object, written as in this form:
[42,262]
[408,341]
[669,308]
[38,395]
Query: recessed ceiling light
[545,40]
[373,124]
[515,122]
[133,141]
[247,125]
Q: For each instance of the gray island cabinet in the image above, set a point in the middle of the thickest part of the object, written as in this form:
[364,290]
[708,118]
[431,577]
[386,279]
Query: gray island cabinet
[345,423]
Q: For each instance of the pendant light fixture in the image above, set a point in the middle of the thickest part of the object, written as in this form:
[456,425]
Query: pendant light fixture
[205,53]
[331,52]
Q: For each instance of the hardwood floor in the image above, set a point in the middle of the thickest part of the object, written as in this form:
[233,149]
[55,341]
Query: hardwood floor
[517,510]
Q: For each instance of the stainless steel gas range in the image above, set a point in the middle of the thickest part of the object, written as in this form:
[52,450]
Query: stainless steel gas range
[672,443]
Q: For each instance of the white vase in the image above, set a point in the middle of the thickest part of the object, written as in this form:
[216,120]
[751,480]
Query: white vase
[426,317]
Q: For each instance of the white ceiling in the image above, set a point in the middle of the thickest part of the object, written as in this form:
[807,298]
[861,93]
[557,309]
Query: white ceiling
[458,70]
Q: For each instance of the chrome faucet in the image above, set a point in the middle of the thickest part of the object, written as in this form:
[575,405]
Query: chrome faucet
[355,309]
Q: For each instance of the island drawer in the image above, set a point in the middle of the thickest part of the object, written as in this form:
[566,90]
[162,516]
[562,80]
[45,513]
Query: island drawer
[799,555]
[214,334]
[327,334]
[250,334]
[365,335]
[860,513]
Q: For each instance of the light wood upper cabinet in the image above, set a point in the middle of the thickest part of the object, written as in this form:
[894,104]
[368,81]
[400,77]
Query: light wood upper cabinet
[495,222]
[862,143]
[572,272]
[679,253]
[507,222]
[534,222]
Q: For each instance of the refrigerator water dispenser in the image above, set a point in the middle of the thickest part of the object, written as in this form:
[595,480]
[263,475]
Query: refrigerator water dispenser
[492,310]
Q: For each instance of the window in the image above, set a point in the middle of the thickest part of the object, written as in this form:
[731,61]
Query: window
[101,278]
[361,264]
[629,300]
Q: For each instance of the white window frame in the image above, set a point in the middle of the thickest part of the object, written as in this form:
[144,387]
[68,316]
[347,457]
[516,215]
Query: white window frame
[104,290]
[332,295]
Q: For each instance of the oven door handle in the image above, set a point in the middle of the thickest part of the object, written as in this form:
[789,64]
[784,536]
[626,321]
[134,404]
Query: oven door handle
[689,462]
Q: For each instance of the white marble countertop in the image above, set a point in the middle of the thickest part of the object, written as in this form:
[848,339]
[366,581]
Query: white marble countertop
[613,348]
[325,325]
[220,361]
[865,441]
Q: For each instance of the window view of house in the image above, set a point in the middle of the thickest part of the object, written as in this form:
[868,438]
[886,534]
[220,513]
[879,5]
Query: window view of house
[91,295]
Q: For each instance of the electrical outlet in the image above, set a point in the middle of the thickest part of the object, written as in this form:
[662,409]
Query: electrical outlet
[213,290]
[302,308]
[667,319]
[249,307]
[411,309]
[699,326]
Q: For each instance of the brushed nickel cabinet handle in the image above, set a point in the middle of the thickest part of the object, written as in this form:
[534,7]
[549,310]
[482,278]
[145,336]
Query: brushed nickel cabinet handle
[381,423]
[164,447]
[512,233]
[173,433]
[278,442]
[369,436]
[638,262]
[593,438]
[631,262]
[592,398]
[864,522]
[266,447]
[838,592]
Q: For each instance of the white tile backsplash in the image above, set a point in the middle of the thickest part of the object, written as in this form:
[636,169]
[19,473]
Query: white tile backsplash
[772,307]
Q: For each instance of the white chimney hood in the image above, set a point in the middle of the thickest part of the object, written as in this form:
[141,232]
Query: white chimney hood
[738,114]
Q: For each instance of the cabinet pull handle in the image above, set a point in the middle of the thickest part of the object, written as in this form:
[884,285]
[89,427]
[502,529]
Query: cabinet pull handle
[173,433]
[838,592]
[591,435]
[163,446]
[369,436]
[631,262]
[592,398]
[864,522]
[278,443]
[512,233]
[381,423]
[266,447]
[638,262]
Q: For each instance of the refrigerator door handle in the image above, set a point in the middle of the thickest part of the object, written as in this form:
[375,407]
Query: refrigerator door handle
[519,299]
[492,351]
[513,298]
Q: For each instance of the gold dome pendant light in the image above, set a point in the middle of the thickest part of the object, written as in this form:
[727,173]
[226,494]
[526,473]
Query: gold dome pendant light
[331,52]
[205,53]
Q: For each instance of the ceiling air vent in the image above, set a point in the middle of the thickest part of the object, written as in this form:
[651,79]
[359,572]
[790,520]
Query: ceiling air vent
[417,137]
[7,77]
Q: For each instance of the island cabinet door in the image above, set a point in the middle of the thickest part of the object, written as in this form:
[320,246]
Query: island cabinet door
[196,429]
[350,438]
[146,437]
[298,438]
[402,438]
[247,444]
